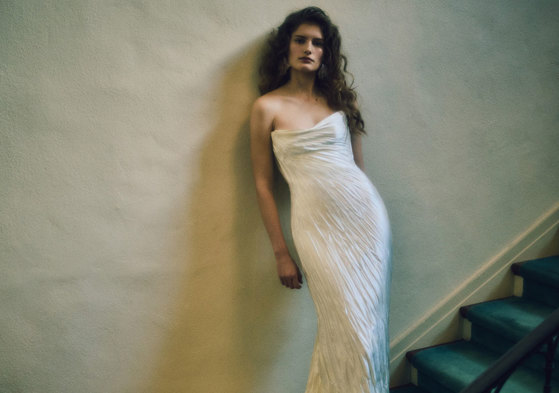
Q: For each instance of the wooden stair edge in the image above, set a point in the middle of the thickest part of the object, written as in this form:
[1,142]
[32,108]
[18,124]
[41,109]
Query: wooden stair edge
[517,266]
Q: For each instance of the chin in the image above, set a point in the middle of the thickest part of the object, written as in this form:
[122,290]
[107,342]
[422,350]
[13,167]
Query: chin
[306,69]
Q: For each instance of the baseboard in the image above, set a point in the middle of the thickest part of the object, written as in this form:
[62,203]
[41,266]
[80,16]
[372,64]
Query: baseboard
[492,281]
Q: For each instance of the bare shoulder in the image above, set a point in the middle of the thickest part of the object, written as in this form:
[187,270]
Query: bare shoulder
[268,103]
[265,110]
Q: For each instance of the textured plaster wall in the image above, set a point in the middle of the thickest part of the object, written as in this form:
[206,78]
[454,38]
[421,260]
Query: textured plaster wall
[133,258]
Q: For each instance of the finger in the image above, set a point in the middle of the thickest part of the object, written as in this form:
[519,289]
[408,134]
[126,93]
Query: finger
[289,282]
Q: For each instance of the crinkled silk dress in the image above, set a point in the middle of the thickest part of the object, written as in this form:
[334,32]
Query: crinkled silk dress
[342,234]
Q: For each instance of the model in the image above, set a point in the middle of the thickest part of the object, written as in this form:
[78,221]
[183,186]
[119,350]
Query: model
[307,120]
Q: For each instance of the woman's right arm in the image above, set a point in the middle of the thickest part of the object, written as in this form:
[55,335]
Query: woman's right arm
[261,123]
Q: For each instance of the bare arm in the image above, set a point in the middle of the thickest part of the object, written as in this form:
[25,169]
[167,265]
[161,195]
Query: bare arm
[261,122]
[357,151]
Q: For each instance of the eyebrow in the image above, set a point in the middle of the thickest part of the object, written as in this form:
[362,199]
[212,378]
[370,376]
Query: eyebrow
[304,36]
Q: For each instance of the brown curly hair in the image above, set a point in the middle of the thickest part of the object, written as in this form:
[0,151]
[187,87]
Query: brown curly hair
[331,77]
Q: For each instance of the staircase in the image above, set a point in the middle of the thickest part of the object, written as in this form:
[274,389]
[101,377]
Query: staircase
[491,329]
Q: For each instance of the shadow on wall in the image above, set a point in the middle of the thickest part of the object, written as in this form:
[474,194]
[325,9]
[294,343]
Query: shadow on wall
[223,333]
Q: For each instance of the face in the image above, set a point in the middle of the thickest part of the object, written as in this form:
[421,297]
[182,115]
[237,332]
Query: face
[306,48]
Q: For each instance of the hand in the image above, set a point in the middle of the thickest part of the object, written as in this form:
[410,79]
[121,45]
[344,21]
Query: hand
[289,272]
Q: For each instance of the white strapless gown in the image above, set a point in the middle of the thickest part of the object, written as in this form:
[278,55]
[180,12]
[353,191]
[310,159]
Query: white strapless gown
[342,235]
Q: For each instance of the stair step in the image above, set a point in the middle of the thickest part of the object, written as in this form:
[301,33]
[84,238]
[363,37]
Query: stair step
[499,324]
[541,279]
[451,367]
[542,270]
[408,389]
[512,317]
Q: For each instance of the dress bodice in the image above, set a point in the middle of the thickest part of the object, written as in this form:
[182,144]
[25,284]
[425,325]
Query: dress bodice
[307,153]
[318,158]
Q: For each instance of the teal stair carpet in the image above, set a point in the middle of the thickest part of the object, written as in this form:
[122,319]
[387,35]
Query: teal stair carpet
[495,326]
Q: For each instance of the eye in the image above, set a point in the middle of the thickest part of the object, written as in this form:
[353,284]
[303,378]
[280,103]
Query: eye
[318,43]
[299,40]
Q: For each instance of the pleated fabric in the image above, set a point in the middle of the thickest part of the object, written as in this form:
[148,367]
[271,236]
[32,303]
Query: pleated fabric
[342,234]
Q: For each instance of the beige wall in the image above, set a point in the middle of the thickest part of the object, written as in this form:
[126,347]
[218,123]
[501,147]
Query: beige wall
[133,258]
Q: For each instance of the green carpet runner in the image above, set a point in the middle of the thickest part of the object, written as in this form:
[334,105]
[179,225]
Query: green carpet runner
[495,326]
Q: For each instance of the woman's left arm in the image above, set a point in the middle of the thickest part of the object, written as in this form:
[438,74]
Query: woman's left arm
[357,151]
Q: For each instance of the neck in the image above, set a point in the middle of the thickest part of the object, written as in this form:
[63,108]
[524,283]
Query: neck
[302,84]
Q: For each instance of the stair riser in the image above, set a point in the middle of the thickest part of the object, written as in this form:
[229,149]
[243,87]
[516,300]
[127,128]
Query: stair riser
[541,293]
[432,386]
[499,344]
[407,389]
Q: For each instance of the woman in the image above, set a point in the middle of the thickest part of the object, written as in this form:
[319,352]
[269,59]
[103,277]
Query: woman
[307,119]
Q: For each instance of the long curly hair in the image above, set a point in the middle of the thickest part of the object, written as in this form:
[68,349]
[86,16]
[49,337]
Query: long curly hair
[330,81]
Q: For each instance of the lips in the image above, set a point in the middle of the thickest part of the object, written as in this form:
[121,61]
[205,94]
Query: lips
[306,59]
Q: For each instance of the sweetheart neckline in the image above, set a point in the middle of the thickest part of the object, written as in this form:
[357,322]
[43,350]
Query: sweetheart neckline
[306,129]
